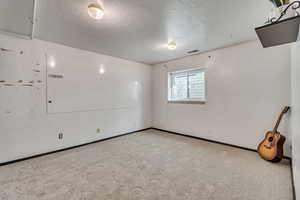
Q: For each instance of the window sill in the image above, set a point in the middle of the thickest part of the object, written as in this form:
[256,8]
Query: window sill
[187,102]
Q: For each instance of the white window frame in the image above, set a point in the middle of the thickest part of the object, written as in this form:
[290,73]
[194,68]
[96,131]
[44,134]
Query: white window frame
[188,100]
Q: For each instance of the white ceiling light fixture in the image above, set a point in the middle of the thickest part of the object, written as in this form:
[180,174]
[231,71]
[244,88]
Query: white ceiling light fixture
[96,11]
[172,45]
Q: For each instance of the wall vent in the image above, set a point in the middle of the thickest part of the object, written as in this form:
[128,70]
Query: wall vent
[193,51]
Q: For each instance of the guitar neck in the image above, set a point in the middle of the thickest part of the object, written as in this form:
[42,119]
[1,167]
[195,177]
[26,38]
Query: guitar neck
[285,110]
[275,130]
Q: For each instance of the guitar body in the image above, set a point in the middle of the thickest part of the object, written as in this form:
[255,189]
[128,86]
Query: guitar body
[271,148]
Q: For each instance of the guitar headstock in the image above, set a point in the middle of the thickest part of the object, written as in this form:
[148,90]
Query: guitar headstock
[286,109]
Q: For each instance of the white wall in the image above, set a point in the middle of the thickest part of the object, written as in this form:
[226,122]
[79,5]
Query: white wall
[296,115]
[25,127]
[247,86]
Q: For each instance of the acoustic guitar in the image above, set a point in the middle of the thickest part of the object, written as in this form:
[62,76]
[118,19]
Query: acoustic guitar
[271,148]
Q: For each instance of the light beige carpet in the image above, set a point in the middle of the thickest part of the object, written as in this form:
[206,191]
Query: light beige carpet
[149,165]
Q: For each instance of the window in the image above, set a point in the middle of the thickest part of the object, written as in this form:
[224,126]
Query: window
[187,86]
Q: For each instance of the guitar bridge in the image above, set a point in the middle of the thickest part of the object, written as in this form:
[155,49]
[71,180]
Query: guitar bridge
[267,147]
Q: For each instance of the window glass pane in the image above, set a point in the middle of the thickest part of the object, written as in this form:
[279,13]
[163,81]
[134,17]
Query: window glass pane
[196,85]
[187,85]
[179,90]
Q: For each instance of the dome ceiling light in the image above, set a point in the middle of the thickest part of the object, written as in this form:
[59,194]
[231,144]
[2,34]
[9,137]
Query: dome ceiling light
[95,11]
[172,45]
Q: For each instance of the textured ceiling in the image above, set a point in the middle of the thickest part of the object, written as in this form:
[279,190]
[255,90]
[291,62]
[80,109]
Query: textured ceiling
[139,29]
[16,16]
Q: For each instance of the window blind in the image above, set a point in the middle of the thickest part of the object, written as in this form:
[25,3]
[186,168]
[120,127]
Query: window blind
[187,85]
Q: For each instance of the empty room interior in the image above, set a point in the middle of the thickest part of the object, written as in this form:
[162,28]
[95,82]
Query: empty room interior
[149,100]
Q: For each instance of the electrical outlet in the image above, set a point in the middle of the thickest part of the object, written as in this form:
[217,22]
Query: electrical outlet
[98,130]
[60,136]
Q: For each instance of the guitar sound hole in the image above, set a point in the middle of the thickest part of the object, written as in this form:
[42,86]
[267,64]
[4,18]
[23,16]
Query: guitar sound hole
[270,139]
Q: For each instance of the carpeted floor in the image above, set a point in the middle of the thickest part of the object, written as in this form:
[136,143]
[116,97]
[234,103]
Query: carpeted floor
[150,165]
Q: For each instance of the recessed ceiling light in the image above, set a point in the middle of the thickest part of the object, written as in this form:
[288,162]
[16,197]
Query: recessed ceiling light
[172,45]
[96,11]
